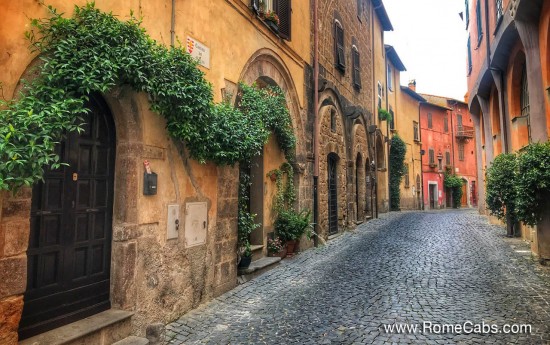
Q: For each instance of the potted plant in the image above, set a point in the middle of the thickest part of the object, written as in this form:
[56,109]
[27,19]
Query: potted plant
[384,115]
[276,247]
[271,19]
[291,225]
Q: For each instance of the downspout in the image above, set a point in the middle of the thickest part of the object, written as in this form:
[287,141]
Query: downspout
[173,24]
[387,125]
[421,160]
[315,124]
[375,116]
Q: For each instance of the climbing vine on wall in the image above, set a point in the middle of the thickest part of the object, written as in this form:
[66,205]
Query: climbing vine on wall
[398,150]
[455,184]
[92,52]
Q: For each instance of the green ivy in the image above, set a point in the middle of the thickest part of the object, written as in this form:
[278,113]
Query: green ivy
[398,150]
[246,222]
[384,115]
[455,184]
[533,182]
[286,194]
[501,180]
[92,52]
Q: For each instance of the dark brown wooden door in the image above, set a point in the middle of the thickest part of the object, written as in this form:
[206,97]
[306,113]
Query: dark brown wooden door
[332,194]
[69,254]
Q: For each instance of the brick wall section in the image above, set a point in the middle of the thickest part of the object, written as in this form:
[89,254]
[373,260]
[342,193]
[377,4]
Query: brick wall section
[14,237]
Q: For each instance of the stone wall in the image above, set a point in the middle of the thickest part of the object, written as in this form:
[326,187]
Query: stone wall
[14,233]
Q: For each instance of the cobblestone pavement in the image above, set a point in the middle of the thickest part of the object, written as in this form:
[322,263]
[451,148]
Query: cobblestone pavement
[445,267]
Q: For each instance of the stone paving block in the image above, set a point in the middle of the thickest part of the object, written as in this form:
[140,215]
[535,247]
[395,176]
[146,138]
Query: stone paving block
[405,268]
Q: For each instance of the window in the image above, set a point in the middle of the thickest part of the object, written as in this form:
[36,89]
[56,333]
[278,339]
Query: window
[447,158]
[281,8]
[359,8]
[430,124]
[416,132]
[459,122]
[469,56]
[332,120]
[446,124]
[467,13]
[339,46]
[379,95]
[524,96]
[460,151]
[479,21]
[392,122]
[418,183]
[389,77]
[431,156]
[356,68]
[499,10]
[407,182]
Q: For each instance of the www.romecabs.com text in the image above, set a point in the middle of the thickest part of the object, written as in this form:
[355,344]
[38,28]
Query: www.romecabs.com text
[467,327]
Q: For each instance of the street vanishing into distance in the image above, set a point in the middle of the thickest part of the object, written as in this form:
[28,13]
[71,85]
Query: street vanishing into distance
[440,277]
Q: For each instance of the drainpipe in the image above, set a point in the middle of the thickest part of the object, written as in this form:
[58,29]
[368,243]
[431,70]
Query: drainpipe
[374,114]
[387,127]
[173,24]
[315,123]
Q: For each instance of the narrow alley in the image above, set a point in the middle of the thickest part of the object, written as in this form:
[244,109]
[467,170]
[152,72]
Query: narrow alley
[430,269]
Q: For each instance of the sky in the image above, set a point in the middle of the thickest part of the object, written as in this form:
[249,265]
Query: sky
[430,38]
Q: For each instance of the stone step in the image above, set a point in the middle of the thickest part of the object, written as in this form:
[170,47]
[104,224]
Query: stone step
[257,251]
[103,328]
[257,267]
[132,340]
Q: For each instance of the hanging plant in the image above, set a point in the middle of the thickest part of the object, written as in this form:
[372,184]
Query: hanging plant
[384,115]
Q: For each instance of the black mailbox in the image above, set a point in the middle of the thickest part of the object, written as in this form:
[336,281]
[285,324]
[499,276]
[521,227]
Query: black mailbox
[149,183]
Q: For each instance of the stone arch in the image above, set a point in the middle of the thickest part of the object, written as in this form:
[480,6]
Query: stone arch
[517,70]
[267,66]
[359,151]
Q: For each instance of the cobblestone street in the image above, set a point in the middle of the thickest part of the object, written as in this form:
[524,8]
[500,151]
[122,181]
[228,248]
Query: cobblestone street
[446,267]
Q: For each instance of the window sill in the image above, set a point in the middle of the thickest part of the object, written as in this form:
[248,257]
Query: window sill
[519,117]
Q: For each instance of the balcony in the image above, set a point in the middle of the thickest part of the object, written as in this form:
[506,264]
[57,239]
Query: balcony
[464,132]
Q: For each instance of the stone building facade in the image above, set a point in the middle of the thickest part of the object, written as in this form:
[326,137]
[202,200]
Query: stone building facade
[347,181]
[150,268]
[507,71]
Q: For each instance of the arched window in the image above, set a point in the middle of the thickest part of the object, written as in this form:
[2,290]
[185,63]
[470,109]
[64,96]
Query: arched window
[524,96]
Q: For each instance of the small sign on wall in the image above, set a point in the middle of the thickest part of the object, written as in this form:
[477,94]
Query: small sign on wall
[199,51]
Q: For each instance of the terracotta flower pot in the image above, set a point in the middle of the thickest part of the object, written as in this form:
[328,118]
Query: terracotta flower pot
[291,247]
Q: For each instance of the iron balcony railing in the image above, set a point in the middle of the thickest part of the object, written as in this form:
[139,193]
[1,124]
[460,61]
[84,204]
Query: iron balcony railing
[464,132]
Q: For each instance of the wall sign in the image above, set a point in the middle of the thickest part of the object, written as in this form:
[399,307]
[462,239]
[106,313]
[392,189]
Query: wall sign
[199,51]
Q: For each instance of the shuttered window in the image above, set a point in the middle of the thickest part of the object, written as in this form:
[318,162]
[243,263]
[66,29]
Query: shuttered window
[446,124]
[339,47]
[283,10]
[356,68]
[416,133]
[430,124]
[469,56]
[479,22]
[447,158]
[431,156]
[460,151]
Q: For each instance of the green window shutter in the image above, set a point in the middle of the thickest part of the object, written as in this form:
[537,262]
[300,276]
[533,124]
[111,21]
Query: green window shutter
[356,69]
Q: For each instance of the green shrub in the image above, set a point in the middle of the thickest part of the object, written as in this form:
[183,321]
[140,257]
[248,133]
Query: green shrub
[291,225]
[533,183]
[455,184]
[398,150]
[501,180]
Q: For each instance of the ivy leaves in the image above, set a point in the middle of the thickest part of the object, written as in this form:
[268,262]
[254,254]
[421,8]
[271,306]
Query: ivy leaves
[94,51]
[398,150]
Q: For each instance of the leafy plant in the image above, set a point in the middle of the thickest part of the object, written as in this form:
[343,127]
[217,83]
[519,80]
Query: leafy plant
[384,115]
[533,183]
[274,245]
[92,52]
[286,194]
[398,150]
[455,184]
[246,221]
[291,225]
[271,16]
[501,180]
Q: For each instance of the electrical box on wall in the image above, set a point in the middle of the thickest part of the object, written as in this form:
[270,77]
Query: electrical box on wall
[196,226]
[173,222]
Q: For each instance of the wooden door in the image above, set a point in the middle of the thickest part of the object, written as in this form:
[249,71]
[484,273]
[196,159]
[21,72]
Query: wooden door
[433,200]
[464,199]
[332,194]
[69,254]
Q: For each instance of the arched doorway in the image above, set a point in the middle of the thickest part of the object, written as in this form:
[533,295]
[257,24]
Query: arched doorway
[332,170]
[359,198]
[69,253]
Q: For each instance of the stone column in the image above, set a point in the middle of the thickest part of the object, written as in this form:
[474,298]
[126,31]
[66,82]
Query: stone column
[479,161]
[487,129]
[529,34]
